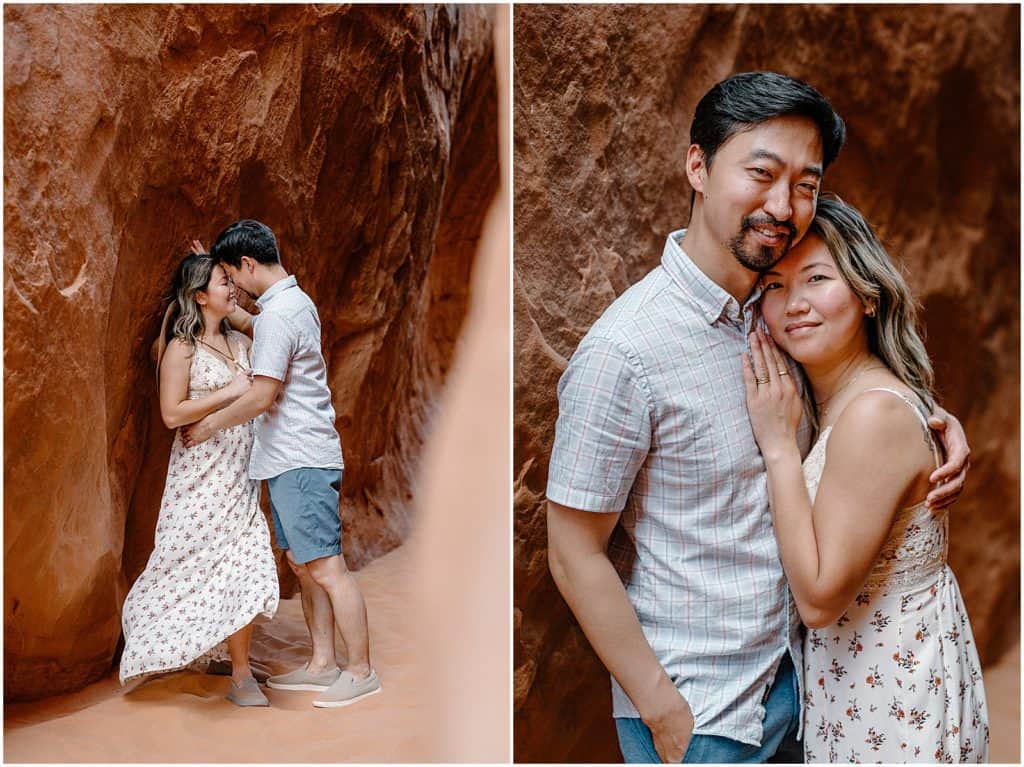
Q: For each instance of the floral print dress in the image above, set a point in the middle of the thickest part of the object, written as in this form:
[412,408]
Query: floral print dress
[897,677]
[212,568]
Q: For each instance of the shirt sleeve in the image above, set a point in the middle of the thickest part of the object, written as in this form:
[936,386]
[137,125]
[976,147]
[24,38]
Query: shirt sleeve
[274,343]
[603,432]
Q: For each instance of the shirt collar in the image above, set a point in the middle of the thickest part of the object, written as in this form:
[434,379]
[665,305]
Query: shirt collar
[714,301]
[278,287]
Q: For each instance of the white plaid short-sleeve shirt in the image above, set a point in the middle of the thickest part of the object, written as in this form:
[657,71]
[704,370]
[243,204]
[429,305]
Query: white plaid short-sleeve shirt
[298,429]
[653,422]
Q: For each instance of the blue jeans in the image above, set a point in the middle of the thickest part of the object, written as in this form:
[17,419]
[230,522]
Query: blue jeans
[778,743]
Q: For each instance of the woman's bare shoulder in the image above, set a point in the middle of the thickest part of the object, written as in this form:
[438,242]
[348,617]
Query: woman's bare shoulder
[178,351]
[878,415]
[884,431]
[878,455]
[180,344]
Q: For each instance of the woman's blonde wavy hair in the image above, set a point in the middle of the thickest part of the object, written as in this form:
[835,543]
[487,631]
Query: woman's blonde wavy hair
[893,330]
[184,317]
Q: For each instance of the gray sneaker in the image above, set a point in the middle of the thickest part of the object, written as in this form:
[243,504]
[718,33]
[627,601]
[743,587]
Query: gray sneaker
[247,693]
[348,690]
[300,679]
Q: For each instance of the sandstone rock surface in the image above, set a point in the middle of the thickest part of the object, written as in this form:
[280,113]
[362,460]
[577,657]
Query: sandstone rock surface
[603,102]
[364,136]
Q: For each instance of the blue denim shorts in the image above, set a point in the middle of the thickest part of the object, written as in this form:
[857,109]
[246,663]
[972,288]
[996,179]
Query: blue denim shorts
[304,507]
[778,742]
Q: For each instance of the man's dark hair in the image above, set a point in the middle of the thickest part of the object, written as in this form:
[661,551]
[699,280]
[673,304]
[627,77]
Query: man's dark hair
[246,238]
[744,100]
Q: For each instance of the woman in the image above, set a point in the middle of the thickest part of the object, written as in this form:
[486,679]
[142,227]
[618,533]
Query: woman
[212,569]
[891,670]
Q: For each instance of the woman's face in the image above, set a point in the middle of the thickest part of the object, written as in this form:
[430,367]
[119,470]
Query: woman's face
[810,310]
[220,295]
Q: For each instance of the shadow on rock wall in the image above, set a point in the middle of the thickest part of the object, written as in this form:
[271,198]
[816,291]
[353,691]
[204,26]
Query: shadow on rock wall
[364,136]
[603,102]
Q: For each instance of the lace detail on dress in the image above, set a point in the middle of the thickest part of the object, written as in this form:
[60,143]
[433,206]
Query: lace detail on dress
[914,552]
[918,542]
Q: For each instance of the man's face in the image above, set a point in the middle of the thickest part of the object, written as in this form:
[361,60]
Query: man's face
[241,277]
[760,192]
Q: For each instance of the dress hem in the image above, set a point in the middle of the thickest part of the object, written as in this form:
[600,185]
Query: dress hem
[143,674]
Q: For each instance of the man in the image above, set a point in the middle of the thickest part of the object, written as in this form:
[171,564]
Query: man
[700,635]
[298,452]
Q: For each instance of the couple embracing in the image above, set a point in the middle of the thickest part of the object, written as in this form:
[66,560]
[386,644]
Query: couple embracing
[758,413]
[246,410]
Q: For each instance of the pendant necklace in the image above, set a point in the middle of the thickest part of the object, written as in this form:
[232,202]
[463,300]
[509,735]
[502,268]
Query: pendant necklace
[238,365]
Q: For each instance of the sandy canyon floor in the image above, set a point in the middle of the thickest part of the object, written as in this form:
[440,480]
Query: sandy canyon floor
[183,717]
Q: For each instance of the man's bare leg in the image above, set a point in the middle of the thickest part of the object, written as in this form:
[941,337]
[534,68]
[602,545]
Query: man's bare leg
[333,577]
[319,616]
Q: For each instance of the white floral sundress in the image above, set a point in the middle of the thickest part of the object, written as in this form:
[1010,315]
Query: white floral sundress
[212,568]
[897,677]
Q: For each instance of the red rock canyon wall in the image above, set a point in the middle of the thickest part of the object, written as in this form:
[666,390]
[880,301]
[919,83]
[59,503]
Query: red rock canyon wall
[364,136]
[603,102]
